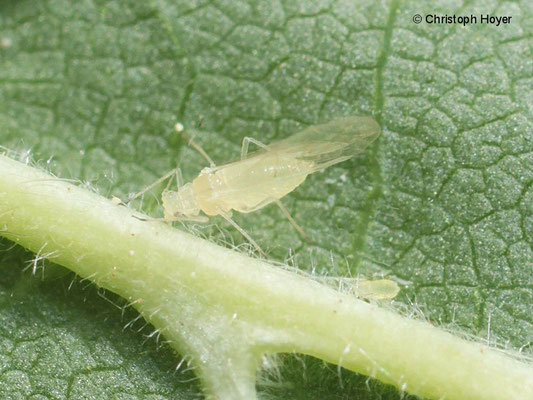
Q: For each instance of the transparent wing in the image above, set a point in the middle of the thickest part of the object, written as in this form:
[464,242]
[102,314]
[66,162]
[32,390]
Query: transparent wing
[329,143]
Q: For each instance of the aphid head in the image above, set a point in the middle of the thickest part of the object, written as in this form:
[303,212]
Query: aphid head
[183,202]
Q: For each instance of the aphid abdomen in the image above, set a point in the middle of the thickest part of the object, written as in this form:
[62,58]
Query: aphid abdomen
[255,199]
[248,185]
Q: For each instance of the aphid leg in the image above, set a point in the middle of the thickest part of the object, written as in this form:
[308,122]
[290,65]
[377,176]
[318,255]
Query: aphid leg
[246,143]
[227,217]
[291,219]
[152,185]
[199,149]
[179,178]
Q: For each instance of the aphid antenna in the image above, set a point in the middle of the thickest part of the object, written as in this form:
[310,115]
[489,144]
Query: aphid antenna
[195,146]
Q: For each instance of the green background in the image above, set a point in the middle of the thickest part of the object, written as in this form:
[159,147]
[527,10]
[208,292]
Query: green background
[443,201]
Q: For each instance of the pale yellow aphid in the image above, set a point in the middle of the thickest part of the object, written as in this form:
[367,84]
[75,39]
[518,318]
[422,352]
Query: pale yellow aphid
[378,289]
[265,176]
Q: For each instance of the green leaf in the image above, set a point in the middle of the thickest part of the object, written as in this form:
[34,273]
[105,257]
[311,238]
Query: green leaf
[92,90]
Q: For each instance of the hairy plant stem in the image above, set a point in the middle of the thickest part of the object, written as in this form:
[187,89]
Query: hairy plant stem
[224,310]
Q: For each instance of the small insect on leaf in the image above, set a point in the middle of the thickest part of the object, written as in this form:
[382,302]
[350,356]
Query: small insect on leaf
[378,289]
[266,175]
